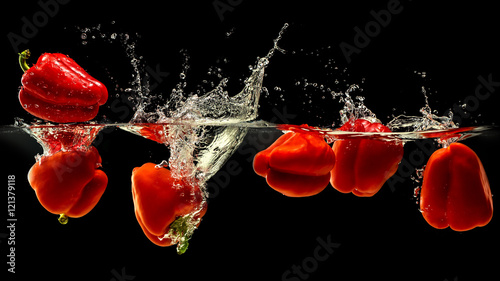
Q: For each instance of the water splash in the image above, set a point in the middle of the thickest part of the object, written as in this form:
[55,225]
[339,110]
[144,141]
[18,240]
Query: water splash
[55,138]
[198,151]
[354,109]
[217,104]
[428,121]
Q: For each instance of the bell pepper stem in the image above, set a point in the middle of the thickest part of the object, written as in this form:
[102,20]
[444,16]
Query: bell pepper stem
[181,230]
[23,57]
[63,219]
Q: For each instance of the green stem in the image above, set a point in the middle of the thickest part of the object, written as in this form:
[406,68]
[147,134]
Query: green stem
[63,219]
[23,56]
[181,230]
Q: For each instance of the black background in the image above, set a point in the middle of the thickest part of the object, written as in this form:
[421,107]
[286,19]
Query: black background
[250,231]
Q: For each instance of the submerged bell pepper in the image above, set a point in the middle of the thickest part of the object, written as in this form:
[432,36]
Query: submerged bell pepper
[363,165]
[167,209]
[57,89]
[455,190]
[68,183]
[296,164]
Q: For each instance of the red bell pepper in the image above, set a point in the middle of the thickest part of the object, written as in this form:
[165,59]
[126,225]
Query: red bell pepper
[296,164]
[363,165]
[455,190]
[57,89]
[167,209]
[69,183]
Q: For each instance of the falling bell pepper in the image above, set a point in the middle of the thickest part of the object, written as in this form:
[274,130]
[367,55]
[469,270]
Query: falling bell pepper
[68,183]
[455,190]
[296,164]
[363,165]
[57,89]
[167,209]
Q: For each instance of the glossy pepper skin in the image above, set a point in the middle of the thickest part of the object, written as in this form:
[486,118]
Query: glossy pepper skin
[57,89]
[363,165]
[161,202]
[455,190]
[296,164]
[69,183]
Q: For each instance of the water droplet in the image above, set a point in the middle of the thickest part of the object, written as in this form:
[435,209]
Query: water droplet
[163,164]
[416,192]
